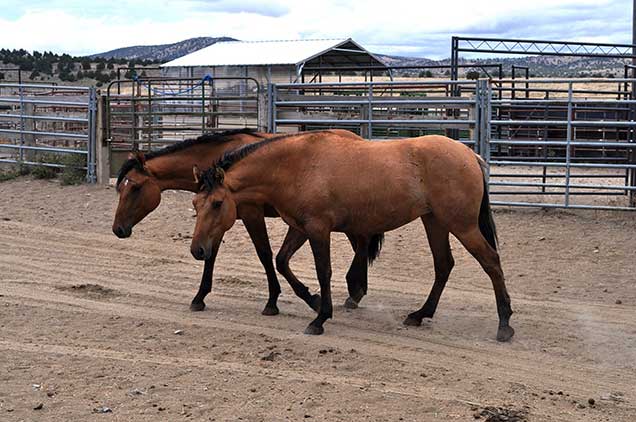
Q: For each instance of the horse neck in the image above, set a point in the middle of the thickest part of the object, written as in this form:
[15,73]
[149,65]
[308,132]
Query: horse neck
[174,171]
[257,177]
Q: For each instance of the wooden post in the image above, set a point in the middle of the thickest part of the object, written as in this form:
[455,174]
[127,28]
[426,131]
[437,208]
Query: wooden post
[29,139]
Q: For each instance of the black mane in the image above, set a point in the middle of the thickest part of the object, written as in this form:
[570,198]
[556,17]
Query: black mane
[212,178]
[134,163]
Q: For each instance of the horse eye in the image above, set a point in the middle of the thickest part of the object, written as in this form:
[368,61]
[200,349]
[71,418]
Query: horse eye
[217,204]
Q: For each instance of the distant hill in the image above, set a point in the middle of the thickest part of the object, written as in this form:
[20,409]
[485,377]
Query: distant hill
[539,66]
[162,52]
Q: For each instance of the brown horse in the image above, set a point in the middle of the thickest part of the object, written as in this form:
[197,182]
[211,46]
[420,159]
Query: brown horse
[143,177]
[320,183]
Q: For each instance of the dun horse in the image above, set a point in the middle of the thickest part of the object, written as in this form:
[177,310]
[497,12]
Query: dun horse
[143,177]
[320,183]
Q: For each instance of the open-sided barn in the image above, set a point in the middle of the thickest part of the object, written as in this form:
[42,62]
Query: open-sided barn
[272,61]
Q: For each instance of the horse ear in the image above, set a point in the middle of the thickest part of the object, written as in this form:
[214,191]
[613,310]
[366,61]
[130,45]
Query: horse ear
[219,175]
[196,172]
[139,156]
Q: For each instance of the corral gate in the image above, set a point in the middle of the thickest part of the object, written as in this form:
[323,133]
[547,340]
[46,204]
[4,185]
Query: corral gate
[149,113]
[561,144]
[44,125]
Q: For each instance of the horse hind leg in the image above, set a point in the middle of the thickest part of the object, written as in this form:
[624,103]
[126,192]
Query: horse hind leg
[488,258]
[357,275]
[443,261]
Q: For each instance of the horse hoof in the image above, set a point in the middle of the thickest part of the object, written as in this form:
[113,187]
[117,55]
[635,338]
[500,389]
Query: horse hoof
[315,302]
[505,333]
[412,321]
[314,330]
[350,303]
[197,306]
[270,311]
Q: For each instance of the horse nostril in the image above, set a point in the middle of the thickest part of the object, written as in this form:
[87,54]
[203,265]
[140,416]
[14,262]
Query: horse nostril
[198,253]
[120,232]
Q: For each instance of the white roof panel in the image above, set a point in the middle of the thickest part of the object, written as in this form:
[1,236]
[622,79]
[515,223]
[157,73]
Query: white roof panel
[243,53]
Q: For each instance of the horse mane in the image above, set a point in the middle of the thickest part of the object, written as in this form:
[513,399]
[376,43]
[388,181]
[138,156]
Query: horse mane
[212,177]
[225,136]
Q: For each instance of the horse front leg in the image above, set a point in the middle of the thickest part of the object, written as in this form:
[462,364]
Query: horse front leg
[254,221]
[294,239]
[205,287]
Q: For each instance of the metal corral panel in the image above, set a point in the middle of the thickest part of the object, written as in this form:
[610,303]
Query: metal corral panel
[254,53]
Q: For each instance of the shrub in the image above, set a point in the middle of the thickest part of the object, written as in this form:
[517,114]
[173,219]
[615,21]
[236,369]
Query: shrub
[43,172]
[73,173]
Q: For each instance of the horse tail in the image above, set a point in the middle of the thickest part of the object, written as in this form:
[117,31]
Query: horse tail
[375,246]
[486,222]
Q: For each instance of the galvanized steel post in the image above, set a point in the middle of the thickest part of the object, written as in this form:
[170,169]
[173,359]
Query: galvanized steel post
[568,140]
[91,146]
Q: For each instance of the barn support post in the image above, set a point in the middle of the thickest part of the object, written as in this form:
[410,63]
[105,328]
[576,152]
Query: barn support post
[102,143]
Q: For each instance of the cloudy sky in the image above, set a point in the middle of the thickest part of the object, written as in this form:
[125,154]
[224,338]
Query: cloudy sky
[413,28]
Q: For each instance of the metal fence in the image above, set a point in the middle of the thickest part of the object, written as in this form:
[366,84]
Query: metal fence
[567,143]
[148,113]
[377,110]
[550,143]
[43,125]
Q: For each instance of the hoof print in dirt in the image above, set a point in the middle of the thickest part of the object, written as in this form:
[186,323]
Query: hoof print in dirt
[91,290]
[270,356]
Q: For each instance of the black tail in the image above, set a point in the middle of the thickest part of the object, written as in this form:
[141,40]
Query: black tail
[375,246]
[486,222]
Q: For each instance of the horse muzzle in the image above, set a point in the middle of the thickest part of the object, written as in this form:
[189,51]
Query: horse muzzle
[122,232]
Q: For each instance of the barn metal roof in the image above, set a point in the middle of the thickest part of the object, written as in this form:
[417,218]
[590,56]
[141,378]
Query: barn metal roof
[331,52]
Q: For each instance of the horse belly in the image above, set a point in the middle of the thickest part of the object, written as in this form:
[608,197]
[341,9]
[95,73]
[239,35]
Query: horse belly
[383,214]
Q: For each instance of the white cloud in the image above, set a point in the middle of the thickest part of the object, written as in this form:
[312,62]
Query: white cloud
[393,27]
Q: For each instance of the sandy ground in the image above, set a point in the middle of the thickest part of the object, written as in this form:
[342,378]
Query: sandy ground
[88,321]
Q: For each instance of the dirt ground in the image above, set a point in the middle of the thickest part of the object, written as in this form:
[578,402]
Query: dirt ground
[88,322]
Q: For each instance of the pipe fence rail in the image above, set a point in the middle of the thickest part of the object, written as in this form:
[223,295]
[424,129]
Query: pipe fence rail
[147,113]
[47,125]
[569,144]
[376,110]
[553,143]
